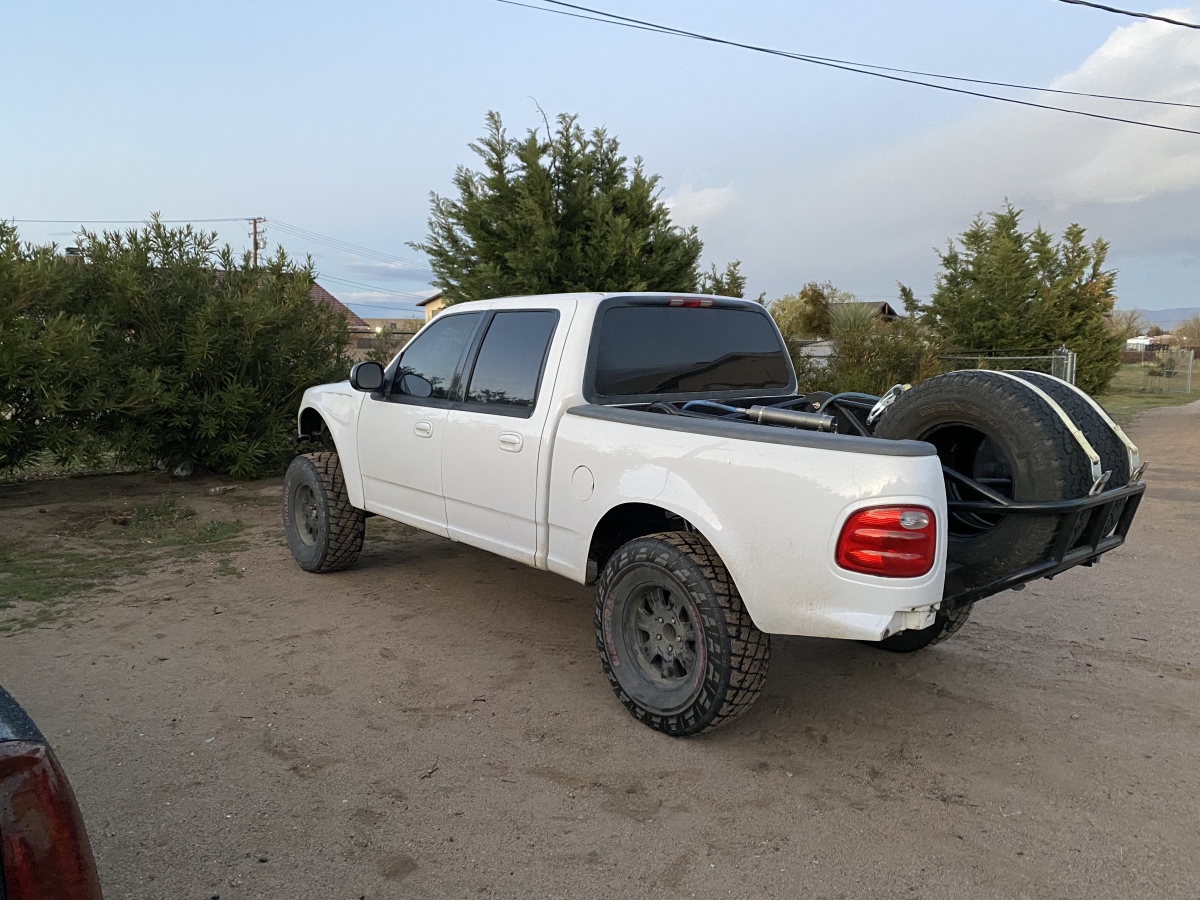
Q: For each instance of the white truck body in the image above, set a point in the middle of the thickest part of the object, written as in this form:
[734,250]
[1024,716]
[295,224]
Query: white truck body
[539,487]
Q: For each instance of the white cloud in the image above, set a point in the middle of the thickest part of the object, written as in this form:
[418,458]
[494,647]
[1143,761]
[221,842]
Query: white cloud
[692,207]
[873,218]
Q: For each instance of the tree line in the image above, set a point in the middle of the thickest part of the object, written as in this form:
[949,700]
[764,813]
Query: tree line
[156,346]
[564,210]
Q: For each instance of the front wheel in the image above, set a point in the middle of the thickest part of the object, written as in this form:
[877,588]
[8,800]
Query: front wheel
[324,532]
[675,641]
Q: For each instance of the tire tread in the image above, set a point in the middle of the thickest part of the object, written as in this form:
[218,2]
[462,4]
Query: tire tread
[749,654]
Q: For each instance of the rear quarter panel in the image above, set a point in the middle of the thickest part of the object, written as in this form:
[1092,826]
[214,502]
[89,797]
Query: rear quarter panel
[773,512]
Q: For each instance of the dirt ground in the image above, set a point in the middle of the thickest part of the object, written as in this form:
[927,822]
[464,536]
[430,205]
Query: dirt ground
[434,723]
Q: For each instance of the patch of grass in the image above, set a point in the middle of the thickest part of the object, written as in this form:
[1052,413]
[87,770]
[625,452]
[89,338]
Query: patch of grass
[214,532]
[36,578]
[1126,396]
[36,584]
[167,524]
[225,566]
[158,517]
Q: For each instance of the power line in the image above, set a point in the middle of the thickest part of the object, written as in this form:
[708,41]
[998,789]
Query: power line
[124,221]
[372,305]
[641,25]
[370,287]
[348,247]
[646,26]
[1135,15]
[294,230]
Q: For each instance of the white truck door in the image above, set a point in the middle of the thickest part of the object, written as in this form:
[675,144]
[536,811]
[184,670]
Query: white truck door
[401,429]
[493,444]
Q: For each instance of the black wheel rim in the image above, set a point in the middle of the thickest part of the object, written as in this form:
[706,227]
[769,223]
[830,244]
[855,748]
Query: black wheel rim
[662,629]
[307,512]
[970,452]
[661,682]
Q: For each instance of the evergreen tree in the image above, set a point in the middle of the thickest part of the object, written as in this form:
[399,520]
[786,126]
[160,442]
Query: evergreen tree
[1001,288]
[730,283]
[565,213]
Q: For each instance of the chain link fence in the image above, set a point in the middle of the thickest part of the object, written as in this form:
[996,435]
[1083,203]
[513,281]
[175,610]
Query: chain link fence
[1059,363]
[1167,371]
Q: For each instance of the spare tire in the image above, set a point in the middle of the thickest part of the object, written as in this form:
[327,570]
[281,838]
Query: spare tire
[1000,431]
[1102,433]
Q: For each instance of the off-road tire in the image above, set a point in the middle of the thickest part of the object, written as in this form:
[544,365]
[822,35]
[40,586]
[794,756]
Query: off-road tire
[1114,455]
[1045,459]
[944,626]
[330,536]
[730,656]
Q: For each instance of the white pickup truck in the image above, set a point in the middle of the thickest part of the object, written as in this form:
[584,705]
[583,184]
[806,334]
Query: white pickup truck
[585,434]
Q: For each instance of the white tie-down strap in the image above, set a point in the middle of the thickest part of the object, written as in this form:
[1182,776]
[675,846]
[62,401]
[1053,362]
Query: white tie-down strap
[1135,458]
[1092,455]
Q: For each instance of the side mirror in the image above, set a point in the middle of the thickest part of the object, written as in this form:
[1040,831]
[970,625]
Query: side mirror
[366,376]
[415,386]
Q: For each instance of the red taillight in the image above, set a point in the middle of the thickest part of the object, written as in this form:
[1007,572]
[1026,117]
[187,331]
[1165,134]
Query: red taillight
[892,541]
[44,850]
[689,303]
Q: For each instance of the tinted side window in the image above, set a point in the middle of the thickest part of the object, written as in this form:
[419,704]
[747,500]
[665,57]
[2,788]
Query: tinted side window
[510,360]
[666,349]
[427,365]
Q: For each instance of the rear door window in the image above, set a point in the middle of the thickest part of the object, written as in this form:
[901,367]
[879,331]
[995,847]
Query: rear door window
[509,366]
[645,349]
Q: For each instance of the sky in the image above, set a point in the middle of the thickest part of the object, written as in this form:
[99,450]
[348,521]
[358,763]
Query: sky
[341,119]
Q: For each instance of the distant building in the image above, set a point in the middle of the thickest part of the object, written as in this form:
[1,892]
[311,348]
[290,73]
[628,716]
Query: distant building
[362,338]
[398,331]
[399,326]
[433,305]
[884,309]
[1145,343]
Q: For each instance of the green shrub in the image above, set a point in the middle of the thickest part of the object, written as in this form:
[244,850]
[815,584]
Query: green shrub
[160,347]
[868,354]
[54,383]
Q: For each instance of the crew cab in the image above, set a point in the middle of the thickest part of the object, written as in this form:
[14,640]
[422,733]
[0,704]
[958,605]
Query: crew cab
[580,434]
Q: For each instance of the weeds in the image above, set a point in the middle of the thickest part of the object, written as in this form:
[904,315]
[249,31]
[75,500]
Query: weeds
[37,575]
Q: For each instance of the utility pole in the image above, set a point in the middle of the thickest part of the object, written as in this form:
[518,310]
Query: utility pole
[257,242]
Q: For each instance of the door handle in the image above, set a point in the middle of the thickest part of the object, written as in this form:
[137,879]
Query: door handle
[423,429]
[510,441]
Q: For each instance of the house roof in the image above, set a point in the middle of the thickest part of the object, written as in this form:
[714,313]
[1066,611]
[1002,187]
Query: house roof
[318,294]
[880,306]
[428,300]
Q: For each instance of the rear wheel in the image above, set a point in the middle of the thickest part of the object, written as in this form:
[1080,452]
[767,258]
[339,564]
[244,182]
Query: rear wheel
[675,641]
[944,626]
[324,532]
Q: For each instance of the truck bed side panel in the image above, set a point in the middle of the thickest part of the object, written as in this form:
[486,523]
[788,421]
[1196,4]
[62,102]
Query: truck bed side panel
[773,511]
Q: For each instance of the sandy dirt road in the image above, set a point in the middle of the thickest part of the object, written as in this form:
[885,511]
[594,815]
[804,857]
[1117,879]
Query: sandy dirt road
[434,723]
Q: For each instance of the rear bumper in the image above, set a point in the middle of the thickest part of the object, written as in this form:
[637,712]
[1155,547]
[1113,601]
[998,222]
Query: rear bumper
[1095,541]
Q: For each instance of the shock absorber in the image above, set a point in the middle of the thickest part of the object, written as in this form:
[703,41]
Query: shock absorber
[769,415]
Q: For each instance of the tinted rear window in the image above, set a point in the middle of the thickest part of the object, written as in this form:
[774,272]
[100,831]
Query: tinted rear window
[674,350]
[510,360]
